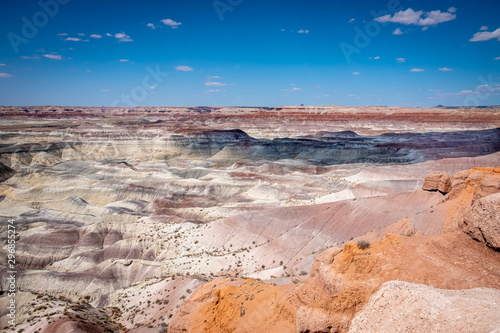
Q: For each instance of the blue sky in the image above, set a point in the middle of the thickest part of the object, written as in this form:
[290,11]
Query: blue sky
[250,52]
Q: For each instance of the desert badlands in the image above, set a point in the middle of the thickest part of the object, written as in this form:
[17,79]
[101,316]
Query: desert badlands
[292,219]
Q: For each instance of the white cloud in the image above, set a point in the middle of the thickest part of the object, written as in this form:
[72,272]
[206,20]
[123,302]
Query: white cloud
[123,37]
[401,59]
[124,60]
[108,34]
[452,10]
[31,57]
[497,58]
[184,68]
[215,84]
[95,36]
[420,17]
[376,58]
[171,23]
[425,28]
[485,35]
[63,34]
[151,25]
[2,64]
[484,27]
[74,39]
[417,70]
[53,56]
[407,17]
[81,34]
[213,91]
[292,90]
[214,77]
[397,31]
[435,17]
[446,69]
[301,31]
[282,29]
[352,20]
[105,90]
[355,73]
[5,75]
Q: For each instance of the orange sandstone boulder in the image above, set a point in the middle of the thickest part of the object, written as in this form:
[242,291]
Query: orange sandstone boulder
[437,181]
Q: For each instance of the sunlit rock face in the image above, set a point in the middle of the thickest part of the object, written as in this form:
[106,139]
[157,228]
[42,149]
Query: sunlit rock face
[115,207]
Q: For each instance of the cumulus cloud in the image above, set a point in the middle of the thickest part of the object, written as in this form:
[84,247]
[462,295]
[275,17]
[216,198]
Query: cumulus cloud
[419,17]
[171,23]
[400,59]
[151,25]
[74,39]
[484,27]
[485,35]
[124,60]
[397,31]
[446,69]
[53,56]
[356,73]
[435,17]
[417,70]
[2,64]
[352,20]
[407,17]
[5,75]
[452,10]
[108,34]
[497,58]
[215,84]
[95,36]
[301,31]
[123,37]
[214,77]
[63,34]
[184,68]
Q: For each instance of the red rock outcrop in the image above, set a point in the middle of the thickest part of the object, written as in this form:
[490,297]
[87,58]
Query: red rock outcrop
[437,181]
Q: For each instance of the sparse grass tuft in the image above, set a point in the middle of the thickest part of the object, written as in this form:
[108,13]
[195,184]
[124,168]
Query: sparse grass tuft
[363,244]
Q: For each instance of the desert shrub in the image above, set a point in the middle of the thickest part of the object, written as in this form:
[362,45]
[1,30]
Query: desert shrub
[363,244]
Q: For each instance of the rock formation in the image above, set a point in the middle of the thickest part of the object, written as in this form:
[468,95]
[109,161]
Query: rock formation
[437,181]
[482,222]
